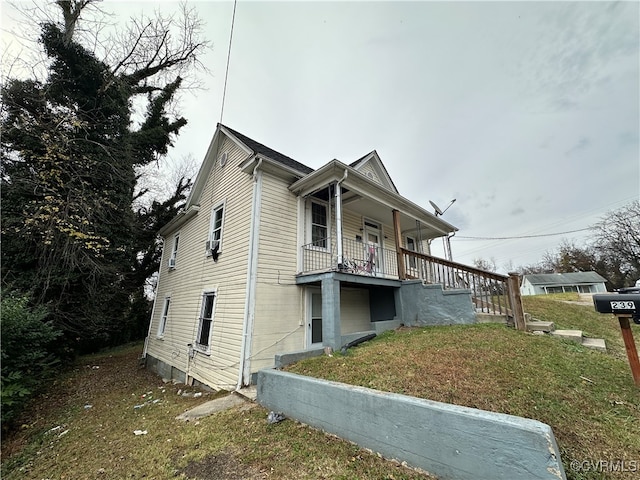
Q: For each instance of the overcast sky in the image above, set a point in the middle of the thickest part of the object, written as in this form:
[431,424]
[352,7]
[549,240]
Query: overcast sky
[526,113]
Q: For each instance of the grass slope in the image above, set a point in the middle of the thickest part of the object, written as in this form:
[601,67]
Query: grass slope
[82,428]
[587,397]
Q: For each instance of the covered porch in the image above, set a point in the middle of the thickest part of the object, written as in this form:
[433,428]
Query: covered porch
[353,223]
[356,230]
[353,227]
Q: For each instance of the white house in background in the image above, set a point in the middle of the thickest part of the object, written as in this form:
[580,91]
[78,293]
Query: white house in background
[580,282]
[271,256]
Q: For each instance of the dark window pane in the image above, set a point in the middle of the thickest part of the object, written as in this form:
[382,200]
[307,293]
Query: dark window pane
[319,236]
[204,332]
[316,330]
[319,214]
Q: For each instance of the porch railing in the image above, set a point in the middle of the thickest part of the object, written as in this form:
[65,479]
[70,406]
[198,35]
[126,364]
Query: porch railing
[357,257]
[491,292]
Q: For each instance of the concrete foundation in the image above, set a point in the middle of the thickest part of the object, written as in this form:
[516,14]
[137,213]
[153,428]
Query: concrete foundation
[165,370]
[422,305]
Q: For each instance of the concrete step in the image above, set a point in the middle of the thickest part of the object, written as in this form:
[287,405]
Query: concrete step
[540,326]
[572,335]
[595,343]
[490,318]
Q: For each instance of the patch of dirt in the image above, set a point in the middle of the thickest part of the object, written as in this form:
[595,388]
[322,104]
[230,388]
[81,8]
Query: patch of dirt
[76,385]
[223,466]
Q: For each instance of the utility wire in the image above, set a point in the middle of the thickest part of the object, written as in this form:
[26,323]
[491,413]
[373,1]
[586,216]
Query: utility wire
[226,74]
[522,236]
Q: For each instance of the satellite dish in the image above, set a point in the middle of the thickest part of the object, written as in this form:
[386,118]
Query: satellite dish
[436,208]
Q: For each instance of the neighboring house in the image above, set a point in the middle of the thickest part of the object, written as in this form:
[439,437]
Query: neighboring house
[271,256]
[544,283]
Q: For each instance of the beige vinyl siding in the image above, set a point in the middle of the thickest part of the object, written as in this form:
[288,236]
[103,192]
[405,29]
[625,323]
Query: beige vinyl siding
[370,172]
[354,310]
[279,317]
[196,273]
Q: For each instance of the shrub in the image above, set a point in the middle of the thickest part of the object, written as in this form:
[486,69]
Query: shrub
[27,361]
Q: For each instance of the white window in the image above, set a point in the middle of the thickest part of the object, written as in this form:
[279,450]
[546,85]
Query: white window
[205,323]
[163,318]
[174,252]
[216,228]
[319,225]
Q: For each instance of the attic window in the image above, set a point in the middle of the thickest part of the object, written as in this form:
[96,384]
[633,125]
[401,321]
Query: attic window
[370,175]
[223,159]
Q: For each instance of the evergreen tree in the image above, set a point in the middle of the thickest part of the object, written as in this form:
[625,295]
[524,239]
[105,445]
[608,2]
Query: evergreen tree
[71,237]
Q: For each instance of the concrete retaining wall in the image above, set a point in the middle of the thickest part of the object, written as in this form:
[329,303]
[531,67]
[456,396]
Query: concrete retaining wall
[283,359]
[449,441]
[422,305]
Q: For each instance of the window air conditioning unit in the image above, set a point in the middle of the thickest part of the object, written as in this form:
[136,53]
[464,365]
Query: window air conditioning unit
[212,247]
[172,262]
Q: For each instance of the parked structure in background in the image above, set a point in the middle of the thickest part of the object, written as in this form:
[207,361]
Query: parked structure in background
[545,283]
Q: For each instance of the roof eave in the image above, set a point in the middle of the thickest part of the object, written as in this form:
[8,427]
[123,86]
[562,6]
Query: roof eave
[179,220]
[335,171]
[274,166]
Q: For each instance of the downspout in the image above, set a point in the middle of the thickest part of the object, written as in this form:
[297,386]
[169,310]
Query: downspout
[244,369]
[339,218]
[449,237]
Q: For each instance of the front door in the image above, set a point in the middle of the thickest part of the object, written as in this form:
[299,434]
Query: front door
[314,318]
[373,247]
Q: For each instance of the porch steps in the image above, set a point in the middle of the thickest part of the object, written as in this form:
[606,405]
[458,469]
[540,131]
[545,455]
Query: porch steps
[491,318]
[595,343]
[548,328]
[539,327]
[573,335]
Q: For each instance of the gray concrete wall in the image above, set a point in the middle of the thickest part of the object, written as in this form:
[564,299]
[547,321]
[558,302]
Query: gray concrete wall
[449,441]
[422,305]
[164,370]
[283,359]
[383,326]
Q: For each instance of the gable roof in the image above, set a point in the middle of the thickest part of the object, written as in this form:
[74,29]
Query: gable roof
[260,149]
[571,278]
[373,158]
[252,149]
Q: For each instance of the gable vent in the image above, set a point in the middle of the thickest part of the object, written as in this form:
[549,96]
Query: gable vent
[223,159]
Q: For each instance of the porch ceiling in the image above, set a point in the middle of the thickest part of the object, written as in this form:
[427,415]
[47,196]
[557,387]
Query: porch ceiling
[367,198]
[381,213]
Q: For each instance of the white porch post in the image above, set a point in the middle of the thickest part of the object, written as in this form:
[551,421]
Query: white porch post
[338,196]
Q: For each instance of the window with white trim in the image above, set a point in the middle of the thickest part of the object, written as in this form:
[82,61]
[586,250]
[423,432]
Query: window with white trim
[174,252]
[205,323]
[319,225]
[216,228]
[164,317]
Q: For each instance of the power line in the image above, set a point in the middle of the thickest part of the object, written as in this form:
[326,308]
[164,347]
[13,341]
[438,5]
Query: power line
[523,236]
[226,74]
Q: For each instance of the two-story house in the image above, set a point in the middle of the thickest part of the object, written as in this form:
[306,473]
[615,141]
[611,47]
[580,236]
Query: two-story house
[271,256]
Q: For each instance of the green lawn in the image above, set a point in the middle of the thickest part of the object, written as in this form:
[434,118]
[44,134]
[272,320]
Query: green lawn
[587,397]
